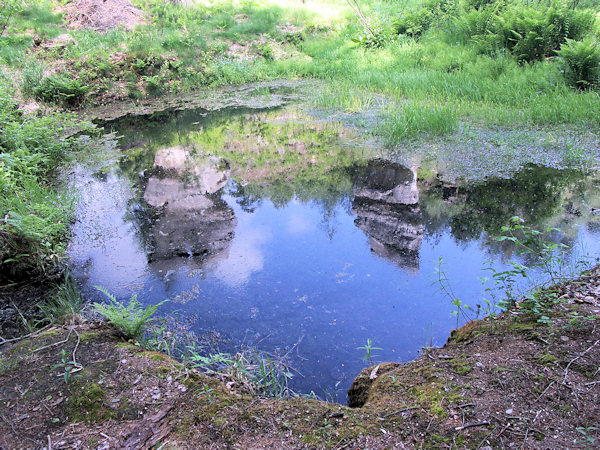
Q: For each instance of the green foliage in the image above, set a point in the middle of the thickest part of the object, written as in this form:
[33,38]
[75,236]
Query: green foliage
[8,9]
[61,89]
[546,254]
[378,34]
[528,32]
[542,253]
[445,286]
[32,74]
[35,216]
[129,320]
[412,119]
[580,61]
[416,22]
[155,85]
[256,372]
[587,434]
[539,251]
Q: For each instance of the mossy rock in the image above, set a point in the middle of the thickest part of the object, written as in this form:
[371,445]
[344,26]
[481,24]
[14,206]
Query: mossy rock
[467,332]
[87,404]
[358,393]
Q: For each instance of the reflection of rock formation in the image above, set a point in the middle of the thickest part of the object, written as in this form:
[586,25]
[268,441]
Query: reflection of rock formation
[195,221]
[388,183]
[386,203]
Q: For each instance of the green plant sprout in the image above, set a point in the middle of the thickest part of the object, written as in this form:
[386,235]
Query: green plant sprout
[368,350]
[446,288]
[586,431]
[529,241]
[69,366]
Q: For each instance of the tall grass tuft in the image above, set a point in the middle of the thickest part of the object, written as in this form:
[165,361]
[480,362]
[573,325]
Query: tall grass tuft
[412,119]
[65,303]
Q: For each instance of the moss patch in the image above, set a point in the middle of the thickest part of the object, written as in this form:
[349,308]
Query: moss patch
[87,404]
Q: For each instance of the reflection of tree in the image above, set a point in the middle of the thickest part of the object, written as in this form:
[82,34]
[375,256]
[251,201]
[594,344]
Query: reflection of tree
[327,190]
[247,200]
[534,194]
[276,154]
[261,146]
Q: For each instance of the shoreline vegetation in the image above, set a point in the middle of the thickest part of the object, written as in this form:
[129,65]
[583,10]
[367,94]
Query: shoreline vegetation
[422,71]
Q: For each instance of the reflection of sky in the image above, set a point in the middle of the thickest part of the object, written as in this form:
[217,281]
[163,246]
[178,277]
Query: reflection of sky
[297,278]
[104,243]
[245,254]
[298,223]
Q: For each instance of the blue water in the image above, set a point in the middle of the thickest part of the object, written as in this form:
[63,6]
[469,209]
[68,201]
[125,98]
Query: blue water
[300,275]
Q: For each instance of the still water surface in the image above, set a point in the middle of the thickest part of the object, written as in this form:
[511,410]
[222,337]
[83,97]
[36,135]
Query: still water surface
[301,237]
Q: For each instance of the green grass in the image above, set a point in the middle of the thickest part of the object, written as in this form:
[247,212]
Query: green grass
[34,229]
[443,69]
[412,119]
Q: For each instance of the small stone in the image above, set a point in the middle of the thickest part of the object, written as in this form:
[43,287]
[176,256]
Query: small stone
[478,364]
[509,411]
[564,338]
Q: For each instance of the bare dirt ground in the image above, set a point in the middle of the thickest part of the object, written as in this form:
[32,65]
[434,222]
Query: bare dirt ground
[508,382]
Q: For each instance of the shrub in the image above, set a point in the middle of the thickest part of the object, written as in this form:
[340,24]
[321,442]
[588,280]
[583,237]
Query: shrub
[61,89]
[35,218]
[155,85]
[8,8]
[378,34]
[417,22]
[580,61]
[528,33]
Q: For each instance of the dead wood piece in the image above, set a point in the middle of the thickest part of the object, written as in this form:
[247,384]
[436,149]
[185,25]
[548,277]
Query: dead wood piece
[397,412]
[576,358]
[471,425]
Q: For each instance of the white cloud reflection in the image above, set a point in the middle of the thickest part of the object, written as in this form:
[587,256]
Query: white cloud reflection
[298,223]
[245,254]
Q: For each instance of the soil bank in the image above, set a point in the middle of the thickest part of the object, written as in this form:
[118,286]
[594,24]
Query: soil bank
[499,382]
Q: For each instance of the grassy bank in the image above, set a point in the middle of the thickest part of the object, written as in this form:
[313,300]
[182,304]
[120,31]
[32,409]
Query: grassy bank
[425,66]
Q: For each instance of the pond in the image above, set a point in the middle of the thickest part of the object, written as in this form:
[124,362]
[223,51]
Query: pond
[297,235]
